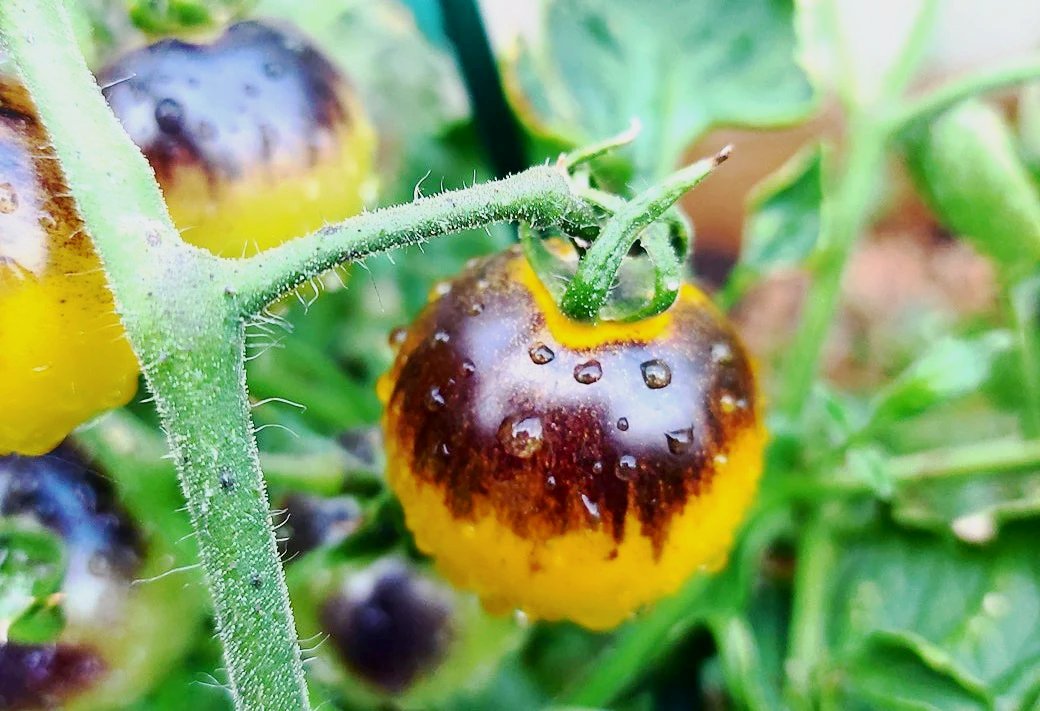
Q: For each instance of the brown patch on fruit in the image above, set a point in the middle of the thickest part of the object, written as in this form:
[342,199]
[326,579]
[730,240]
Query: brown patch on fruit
[256,98]
[570,442]
[40,227]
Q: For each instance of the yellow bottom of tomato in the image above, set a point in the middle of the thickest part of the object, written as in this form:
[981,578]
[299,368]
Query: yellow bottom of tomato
[63,359]
[274,203]
[584,576]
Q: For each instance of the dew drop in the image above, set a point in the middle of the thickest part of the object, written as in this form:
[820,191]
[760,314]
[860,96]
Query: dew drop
[443,450]
[468,368]
[441,337]
[397,337]
[720,459]
[679,441]
[541,353]
[656,374]
[588,372]
[721,353]
[476,308]
[8,199]
[169,116]
[590,506]
[521,436]
[627,467]
[482,284]
[440,289]
[728,404]
[550,482]
[434,399]
[622,424]
[597,467]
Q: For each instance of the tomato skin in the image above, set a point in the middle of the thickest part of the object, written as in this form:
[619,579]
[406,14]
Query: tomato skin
[64,357]
[255,137]
[574,471]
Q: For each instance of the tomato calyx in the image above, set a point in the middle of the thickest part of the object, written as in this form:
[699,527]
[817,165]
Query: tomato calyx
[597,287]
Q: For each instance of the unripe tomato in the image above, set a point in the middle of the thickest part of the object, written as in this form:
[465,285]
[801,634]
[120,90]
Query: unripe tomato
[255,138]
[575,471]
[118,637]
[397,634]
[63,356]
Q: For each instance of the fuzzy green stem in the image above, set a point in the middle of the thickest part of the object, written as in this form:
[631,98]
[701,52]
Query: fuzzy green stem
[189,340]
[844,216]
[935,102]
[588,289]
[541,196]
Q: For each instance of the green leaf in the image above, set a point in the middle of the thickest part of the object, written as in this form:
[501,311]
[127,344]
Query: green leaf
[32,566]
[974,509]
[172,16]
[950,368]
[783,222]
[679,68]
[966,165]
[915,621]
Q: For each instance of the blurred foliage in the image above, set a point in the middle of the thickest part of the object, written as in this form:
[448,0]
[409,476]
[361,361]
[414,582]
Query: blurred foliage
[32,566]
[678,68]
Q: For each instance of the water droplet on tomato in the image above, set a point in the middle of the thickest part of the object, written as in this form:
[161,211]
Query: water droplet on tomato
[627,466]
[622,424]
[679,441]
[590,506]
[541,353]
[434,399]
[588,372]
[656,374]
[521,436]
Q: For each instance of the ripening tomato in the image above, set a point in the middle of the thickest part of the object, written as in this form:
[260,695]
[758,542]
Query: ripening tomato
[63,355]
[575,471]
[255,137]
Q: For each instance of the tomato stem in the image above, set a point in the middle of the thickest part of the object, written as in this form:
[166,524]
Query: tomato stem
[588,290]
[540,195]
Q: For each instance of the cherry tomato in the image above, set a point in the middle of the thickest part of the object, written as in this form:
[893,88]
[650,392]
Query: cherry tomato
[118,638]
[575,471]
[64,357]
[255,137]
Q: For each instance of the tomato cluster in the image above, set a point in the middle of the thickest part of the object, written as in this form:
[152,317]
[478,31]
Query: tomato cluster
[576,471]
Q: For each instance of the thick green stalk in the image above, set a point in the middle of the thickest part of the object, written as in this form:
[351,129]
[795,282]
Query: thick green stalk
[541,196]
[189,340]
